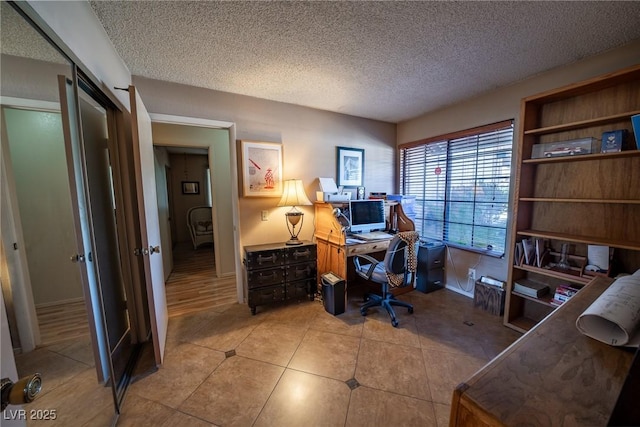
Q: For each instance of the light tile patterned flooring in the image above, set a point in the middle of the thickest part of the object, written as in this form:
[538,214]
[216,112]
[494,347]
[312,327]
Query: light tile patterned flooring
[293,365]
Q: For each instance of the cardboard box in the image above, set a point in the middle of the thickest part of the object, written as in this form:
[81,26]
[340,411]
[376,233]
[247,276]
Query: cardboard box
[489,298]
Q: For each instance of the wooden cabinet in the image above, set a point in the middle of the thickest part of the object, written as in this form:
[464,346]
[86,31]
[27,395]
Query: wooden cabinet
[579,199]
[277,272]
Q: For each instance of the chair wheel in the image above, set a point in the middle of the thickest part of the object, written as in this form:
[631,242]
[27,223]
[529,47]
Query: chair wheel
[363,312]
[410,310]
[394,322]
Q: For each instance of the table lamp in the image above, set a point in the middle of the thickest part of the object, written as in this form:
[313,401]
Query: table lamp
[293,195]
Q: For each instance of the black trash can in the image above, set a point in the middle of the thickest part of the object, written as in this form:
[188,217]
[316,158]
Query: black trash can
[333,293]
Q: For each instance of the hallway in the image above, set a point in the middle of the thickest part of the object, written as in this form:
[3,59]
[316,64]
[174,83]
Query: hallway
[192,285]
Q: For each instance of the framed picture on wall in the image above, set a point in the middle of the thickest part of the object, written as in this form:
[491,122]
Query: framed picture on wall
[261,169]
[350,167]
[190,187]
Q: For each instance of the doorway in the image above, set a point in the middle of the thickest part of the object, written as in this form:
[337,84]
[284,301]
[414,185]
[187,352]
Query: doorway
[198,153]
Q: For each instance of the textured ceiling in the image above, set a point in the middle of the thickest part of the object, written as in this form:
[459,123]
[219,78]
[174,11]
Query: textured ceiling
[389,61]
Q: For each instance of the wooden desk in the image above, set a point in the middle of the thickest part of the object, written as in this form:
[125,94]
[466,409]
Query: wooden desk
[552,376]
[334,254]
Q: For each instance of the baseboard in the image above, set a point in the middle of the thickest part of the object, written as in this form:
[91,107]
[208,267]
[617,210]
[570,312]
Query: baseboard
[460,291]
[62,302]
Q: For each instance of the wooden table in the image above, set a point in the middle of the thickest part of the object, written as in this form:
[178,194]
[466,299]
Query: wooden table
[552,376]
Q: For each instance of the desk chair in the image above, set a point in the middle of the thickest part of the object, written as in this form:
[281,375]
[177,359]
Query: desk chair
[396,270]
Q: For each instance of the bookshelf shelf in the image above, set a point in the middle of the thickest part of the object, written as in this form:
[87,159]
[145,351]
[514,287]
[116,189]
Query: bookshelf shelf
[582,123]
[583,157]
[590,199]
[554,273]
[522,324]
[575,238]
[569,200]
[545,299]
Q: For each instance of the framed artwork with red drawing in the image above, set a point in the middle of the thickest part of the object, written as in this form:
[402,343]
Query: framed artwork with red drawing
[261,169]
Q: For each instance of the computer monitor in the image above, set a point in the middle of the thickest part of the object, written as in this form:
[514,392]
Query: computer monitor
[367,215]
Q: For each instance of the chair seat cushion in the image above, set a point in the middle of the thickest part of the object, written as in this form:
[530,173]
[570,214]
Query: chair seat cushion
[378,274]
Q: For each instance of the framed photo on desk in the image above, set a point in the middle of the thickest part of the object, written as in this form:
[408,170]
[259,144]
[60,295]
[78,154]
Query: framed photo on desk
[350,167]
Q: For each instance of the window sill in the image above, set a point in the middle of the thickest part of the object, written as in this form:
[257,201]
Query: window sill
[486,252]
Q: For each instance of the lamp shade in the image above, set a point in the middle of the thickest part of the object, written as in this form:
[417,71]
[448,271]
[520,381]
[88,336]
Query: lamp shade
[293,194]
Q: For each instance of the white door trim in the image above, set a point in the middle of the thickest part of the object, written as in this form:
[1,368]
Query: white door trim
[235,202]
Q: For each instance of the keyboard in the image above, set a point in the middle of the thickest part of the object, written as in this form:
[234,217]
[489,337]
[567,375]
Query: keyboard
[374,235]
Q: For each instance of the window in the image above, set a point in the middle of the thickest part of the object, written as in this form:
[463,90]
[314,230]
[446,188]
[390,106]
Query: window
[461,185]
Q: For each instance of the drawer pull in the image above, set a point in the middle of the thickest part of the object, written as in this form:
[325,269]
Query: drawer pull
[262,276]
[305,253]
[273,258]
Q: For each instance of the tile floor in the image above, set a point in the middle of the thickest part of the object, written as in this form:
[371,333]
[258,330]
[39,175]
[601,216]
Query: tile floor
[291,365]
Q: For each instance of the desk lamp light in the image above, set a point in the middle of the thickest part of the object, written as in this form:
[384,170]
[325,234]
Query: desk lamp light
[293,195]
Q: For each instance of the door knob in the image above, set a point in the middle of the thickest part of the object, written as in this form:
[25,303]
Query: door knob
[77,258]
[23,391]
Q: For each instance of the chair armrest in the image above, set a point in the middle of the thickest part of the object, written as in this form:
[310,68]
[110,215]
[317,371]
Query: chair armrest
[372,266]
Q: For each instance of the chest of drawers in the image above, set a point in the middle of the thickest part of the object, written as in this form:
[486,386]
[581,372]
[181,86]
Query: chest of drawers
[277,272]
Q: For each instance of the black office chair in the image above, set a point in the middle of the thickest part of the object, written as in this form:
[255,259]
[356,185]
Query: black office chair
[396,270]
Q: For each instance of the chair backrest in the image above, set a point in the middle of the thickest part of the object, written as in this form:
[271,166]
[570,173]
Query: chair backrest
[395,259]
[199,214]
[400,259]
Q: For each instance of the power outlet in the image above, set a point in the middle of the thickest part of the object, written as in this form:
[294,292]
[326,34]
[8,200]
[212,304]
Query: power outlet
[264,215]
[472,274]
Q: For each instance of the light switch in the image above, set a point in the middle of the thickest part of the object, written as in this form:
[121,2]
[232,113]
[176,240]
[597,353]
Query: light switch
[265,215]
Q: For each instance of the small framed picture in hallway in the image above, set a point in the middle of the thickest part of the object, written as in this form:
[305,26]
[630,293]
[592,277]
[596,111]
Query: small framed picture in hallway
[190,187]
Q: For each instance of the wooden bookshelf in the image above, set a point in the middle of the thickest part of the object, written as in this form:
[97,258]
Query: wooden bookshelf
[589,199]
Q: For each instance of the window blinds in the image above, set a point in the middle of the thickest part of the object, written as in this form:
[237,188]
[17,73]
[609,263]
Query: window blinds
[461,186]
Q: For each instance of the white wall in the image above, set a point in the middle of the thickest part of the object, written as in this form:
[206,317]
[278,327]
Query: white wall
[502,104]
[309,139]
[38,157]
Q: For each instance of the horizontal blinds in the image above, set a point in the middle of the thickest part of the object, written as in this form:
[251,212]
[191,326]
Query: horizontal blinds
[461,187]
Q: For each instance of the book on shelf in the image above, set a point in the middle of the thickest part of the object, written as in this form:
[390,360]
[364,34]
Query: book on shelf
[542,251]
[528,250]
[530,288]
[519,254]
[563,293]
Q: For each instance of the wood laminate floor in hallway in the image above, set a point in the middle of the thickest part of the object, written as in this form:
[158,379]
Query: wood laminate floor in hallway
[193,285]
